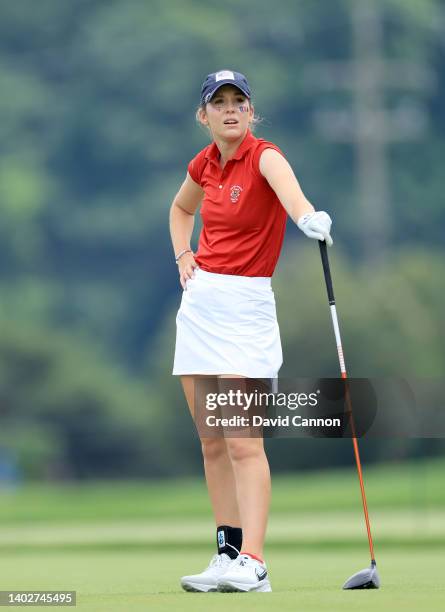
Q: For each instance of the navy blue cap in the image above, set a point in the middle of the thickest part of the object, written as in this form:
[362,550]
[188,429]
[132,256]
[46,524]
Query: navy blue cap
[215,80]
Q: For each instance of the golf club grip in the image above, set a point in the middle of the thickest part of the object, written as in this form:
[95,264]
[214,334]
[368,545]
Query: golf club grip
[326,270]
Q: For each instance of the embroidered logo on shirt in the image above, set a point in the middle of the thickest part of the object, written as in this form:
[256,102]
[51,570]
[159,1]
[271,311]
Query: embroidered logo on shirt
[235,192]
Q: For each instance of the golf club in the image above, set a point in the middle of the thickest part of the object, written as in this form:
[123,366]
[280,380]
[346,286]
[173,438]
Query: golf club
[367,578]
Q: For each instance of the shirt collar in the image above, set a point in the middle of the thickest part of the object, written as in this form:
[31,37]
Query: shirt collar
[214,154]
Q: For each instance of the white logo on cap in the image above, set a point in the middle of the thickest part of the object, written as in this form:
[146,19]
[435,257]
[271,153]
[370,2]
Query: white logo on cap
[224,74]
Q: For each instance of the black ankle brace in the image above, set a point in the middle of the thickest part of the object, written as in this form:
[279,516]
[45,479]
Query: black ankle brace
[229,540]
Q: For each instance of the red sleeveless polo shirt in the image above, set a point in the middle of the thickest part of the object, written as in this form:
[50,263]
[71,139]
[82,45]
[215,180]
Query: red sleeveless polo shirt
[243,220]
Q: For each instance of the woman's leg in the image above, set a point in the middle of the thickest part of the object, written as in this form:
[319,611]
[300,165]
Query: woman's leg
[253,486]
[218,469]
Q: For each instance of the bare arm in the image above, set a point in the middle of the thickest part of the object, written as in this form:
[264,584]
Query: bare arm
[280,176]
[182,220]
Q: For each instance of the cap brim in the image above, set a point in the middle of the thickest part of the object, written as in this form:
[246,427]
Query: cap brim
[225,82]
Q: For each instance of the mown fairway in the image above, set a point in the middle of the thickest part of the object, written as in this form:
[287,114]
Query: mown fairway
[124,546]
[302,580]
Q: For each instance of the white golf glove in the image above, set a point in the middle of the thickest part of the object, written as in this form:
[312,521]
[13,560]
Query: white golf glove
[316,225]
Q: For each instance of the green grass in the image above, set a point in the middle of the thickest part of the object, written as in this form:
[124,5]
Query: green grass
[302,580]
[415,485]
[299,530]
[123,546]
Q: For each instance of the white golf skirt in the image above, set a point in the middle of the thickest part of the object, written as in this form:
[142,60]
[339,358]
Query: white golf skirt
[227,324]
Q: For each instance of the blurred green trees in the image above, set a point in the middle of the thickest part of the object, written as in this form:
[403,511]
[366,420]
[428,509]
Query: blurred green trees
[66,411]
[96,128]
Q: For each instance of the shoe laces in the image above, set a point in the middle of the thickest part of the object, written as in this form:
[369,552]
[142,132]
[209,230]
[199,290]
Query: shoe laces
[219,559]
[216,561]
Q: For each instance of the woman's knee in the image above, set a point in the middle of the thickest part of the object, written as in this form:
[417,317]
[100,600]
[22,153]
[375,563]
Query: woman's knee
[213,448]
[240,449]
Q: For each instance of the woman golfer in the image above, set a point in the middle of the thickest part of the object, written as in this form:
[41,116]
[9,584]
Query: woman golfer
[226,324]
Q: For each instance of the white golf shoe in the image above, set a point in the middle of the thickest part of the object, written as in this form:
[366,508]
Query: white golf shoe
[245,574]
[208,579]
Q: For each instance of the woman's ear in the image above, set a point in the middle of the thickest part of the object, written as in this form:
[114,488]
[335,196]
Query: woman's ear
[202,117]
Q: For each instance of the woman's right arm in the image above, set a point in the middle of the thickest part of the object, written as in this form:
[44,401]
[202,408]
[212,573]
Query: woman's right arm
[182,219]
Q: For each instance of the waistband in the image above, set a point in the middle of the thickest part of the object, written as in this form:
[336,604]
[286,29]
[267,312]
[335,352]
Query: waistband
[234,280]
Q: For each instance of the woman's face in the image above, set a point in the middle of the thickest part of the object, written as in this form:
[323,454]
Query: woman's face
[228,113]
